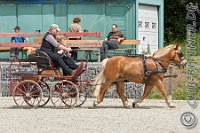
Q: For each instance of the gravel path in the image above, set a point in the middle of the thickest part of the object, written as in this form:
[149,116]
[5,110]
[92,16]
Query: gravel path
[153,117]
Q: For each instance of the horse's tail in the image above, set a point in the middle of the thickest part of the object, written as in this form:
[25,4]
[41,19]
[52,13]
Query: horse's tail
[100,79]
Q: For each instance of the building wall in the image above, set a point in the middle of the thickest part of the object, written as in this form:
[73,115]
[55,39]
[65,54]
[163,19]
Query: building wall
[96,15]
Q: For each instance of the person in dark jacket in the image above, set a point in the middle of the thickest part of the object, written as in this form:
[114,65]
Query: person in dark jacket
[50,47]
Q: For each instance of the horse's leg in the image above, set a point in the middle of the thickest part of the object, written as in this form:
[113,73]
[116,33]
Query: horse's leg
[147,90]
[102,92]
[120,91]
[162,89]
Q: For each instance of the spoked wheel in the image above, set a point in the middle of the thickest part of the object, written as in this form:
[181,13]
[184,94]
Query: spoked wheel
[27,92]
[83,93]
[64,93]
[46,93]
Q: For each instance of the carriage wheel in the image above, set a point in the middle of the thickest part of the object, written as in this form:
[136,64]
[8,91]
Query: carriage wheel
[46,93]
[64,93]
[83,93]
[27,92]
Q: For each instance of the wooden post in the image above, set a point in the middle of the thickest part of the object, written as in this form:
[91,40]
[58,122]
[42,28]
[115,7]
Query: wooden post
[1,90]
[170,83]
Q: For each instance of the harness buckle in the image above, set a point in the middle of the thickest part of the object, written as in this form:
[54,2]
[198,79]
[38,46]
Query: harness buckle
[148,73]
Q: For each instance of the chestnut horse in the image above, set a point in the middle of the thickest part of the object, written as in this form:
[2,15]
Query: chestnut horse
[143,70]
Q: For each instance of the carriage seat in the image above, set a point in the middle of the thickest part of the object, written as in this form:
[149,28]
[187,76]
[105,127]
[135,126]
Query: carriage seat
[44,61]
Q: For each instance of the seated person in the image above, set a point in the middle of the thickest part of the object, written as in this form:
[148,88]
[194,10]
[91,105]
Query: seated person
[59,39]
[112,41]
[75,27]
[15,51]
[49,46]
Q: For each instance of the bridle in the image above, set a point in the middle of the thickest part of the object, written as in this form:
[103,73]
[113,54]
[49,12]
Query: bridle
[180,55]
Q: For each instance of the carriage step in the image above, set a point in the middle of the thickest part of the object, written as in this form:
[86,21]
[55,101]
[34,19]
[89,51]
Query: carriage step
[25,73]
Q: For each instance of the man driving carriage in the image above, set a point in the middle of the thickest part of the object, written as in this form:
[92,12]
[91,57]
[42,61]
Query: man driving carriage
[50,46]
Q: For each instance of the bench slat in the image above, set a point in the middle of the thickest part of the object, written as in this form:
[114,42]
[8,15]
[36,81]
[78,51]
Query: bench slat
[68,34]
[37,45]
[69,43]
[4,49]
[125,49]
[130,42]
[10,44]
[84,45]
[125,42]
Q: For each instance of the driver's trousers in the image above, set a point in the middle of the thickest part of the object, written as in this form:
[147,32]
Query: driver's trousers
[66,63]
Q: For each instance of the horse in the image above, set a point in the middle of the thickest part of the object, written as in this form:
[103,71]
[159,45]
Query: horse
[143,70]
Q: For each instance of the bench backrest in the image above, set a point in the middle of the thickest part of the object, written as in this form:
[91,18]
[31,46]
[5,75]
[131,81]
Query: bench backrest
[37,42]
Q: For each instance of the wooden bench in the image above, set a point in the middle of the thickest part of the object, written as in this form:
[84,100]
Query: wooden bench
[38,40]
[87,46]
[95,45]
[129,46]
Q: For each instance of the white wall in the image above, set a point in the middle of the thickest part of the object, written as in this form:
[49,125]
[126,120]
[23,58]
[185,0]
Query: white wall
[148,28]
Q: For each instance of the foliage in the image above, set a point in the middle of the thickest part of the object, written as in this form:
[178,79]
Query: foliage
[181,92]
[155,95]
[183,44]
[175,18]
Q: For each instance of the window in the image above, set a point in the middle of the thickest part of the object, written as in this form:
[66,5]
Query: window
[139,24]
[147,25]
[154,26]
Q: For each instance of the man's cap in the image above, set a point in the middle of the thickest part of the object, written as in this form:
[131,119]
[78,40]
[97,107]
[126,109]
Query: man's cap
[16,28]
[55,26]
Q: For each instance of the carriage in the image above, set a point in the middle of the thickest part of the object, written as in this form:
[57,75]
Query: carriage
[71,92]
[33,87]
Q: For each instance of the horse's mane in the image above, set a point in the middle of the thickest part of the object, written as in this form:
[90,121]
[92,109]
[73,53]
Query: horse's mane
[163,51]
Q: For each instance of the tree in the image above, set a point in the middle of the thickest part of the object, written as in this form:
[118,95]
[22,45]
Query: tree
[175,19]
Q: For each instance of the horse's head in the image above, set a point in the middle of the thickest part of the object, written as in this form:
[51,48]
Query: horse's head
[177,56]
[171,53]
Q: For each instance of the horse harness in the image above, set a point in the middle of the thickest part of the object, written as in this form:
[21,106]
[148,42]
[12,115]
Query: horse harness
[147,72]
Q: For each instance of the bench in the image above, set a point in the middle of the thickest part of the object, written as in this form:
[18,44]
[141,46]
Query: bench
[95,45]
[129,47]
[38,39]
[87,46]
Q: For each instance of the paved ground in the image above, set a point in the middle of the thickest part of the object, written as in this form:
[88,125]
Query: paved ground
[153,117]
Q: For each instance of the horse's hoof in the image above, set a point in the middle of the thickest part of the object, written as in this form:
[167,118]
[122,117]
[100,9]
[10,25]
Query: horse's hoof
[127,105]
[95,104]
[134,105]
[171,105]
